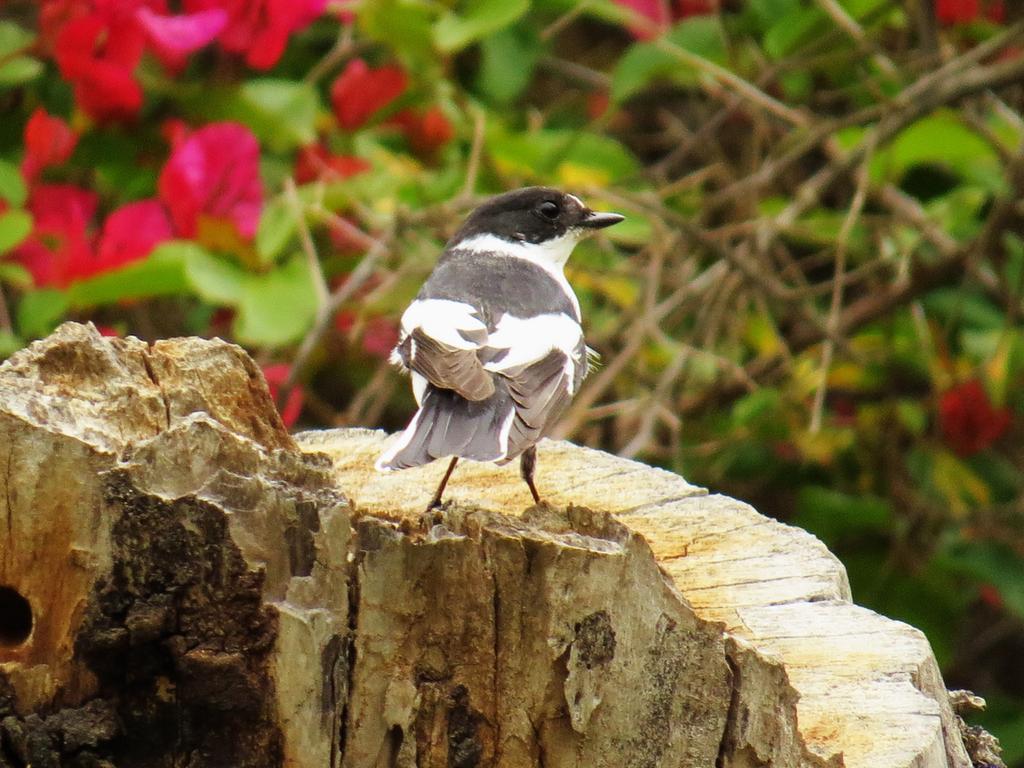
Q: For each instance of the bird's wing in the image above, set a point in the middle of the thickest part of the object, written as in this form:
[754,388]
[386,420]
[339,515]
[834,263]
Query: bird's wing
[542,361]
[441,340]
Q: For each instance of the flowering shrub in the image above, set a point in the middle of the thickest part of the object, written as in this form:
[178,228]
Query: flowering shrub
[815,301]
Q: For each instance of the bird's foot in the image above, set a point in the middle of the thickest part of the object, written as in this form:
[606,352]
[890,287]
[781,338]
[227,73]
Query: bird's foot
[432,515]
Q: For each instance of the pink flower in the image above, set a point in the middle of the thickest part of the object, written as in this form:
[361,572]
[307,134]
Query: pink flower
[49,141]
[260,28]
[214,174]
[276,375]
[59,250]
[359,92]
[173,38]
[62,248]
[131,232]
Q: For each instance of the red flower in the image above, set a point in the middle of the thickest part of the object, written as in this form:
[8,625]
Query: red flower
[260,28]
[48,141]
[131,232]
[360,92]
[54,14]
[426,132]
[173,38]
[276,375]
[174,130]
[687,8]
[597,104]
[991,596]
[659,15]
[59,249]
[214,174]
[97,54]
[316,162]
[968,421]
[965,11]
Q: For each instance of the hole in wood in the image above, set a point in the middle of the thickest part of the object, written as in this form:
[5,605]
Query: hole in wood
[15,618]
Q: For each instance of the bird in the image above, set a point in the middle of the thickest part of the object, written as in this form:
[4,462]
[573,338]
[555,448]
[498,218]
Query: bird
[493,341]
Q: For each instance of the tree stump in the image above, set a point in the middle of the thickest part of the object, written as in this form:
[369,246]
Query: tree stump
[182,583]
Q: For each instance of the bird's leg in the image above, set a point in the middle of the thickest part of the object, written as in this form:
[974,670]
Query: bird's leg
[527,463]
[436,501]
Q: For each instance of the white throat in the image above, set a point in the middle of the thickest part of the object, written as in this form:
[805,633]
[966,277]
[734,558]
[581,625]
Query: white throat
[550,255]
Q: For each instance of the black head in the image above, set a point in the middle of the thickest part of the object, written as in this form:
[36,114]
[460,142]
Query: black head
[534,215]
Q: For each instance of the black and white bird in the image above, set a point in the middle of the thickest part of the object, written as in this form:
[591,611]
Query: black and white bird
[493,340]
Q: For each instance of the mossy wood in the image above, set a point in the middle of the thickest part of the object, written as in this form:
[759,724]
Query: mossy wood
[184,584]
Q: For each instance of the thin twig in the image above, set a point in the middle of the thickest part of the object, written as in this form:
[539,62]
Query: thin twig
[850,26]
[356,280]
[344,46]
[5,315]
[475,153]
[733,82]
[842,243]
[316,272]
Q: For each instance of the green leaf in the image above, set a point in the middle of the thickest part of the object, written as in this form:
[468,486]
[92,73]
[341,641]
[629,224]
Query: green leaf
[9,343]
[282,113]
[479,18]
[755,406]
[943,140]
[162,273]
[214,279]
[15,274]
[644,62]
[40,311]
[992,563]
[404,25]
[794,28]
[572,158]
[19,70]
[277,228]
[277,308]
[507,63]
[12,185]
[768,11]
[964,306]
[15,226]
[830,514]
[289,109]
[14,38]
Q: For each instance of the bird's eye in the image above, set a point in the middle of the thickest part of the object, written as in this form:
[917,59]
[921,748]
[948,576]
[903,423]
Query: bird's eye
[549,210]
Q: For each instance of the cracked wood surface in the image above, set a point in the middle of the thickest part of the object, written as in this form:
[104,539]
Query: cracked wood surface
[206,593]
[869,687]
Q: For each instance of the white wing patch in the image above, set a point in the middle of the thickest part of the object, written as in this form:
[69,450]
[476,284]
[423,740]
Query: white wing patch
[443,319]
[530,340]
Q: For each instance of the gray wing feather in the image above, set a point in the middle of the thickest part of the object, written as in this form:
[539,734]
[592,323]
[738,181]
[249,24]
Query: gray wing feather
[540,394]
[448,367]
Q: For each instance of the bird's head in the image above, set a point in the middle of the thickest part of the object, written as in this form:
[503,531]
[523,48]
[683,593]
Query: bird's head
[544,223]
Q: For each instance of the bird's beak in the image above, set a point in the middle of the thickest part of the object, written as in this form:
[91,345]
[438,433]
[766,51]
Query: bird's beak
[598,220]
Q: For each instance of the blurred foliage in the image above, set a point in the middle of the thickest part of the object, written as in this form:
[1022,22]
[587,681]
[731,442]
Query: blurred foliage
[815,303]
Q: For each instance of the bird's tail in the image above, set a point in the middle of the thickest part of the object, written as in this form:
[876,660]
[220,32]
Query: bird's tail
[448,424]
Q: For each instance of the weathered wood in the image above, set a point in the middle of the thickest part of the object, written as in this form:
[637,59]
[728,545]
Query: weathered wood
[867,689]
[204,593]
